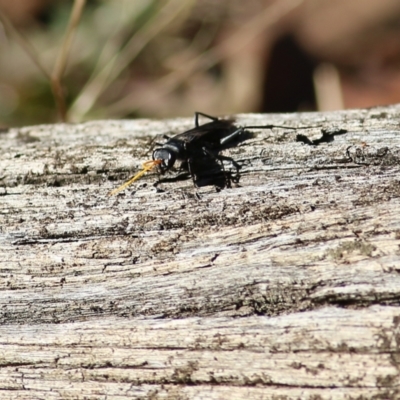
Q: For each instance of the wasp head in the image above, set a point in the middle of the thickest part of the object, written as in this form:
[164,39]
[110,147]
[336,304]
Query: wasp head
[167,158]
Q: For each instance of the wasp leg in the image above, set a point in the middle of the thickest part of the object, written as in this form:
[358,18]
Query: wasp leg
[190,169]
[153,143]
[233,135]
[221,158]
[230,159]
[196,118]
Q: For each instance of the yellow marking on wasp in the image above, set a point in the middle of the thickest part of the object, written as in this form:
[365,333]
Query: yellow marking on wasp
[147,166]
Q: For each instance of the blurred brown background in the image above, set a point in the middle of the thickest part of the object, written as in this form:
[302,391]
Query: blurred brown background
[152,58]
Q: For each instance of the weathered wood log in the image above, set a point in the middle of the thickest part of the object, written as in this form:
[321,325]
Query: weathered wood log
[286,285]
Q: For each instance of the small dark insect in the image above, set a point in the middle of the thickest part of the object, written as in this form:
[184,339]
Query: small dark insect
[201,141]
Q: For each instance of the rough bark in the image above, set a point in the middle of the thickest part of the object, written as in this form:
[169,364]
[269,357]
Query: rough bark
[286,285]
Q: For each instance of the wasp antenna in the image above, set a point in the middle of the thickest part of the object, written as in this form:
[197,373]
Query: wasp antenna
[147,166]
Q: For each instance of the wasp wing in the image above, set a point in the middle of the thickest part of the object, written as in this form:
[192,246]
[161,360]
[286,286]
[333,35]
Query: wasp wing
[211,133]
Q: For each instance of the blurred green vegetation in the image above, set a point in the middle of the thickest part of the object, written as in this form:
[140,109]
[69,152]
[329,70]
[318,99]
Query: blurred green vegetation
[100,66]
[152,58]
[95,59]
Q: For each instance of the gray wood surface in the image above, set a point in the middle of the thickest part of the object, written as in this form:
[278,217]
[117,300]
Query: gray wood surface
[284,286]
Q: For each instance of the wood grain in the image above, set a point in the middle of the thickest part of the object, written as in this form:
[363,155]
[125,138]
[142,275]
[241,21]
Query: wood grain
[284,286]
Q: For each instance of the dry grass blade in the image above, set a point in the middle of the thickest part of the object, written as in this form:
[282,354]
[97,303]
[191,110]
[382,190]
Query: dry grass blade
[62,58]
[61,61]
[24,43]
[59,67]
[117,63]
[211,57]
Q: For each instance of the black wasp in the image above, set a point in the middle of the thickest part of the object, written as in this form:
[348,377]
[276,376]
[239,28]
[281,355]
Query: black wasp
[202,141]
